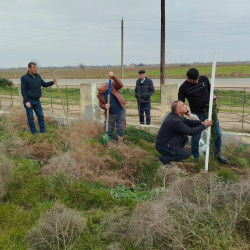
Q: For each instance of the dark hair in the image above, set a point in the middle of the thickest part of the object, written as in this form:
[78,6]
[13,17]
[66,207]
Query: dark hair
[193,74]
[31,63]
[174,106]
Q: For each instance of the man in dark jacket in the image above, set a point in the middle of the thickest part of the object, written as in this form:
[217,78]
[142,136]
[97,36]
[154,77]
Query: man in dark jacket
[143,90]
[31,91]
[197,90]
[116,106]
[172,135]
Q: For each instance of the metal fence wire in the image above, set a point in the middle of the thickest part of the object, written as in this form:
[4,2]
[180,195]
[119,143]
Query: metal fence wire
[233,104]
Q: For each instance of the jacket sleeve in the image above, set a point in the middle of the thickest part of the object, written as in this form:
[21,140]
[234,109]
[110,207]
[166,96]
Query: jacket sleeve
[151,88]
[101,103]
[117,83]
[184,129]
[136,91]
[192,123]
[181,94]
[24,89]
[46,84]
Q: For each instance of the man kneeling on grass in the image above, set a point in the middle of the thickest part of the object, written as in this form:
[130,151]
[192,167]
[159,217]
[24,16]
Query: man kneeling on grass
[172,136]
[116,106]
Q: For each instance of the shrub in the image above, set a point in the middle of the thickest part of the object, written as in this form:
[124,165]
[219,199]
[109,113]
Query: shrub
[58,228]
[6,169]
[5,83]
[196,212]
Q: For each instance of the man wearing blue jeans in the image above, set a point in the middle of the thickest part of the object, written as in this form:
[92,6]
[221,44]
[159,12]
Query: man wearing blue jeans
[116,106]
[197,91]
[172,136]
[31,91]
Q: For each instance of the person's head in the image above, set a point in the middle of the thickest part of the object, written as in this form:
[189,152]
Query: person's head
[141,74]
[32,68]
[101,87]
[193,76]
[179,108]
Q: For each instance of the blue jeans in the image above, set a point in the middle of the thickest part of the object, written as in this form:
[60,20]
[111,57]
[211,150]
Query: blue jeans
[144,107]
[117,120]
[196,138]
[179,155]
[36,106]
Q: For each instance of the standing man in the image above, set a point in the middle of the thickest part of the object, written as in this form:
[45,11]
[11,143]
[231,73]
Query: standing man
[116,106]
[172,136]
[143,90]
[31,91]
[197,91]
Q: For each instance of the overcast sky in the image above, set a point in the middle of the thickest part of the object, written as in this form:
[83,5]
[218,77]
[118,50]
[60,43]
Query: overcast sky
[69,32]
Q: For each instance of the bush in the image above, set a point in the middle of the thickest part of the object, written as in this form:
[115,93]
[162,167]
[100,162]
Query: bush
[6,169]
[58,228]
[5,83]
[197,212]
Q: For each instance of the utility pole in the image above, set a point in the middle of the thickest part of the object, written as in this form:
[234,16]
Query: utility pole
[162,66]
[122,48]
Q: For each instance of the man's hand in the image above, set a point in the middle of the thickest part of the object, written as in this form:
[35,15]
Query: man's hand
[55,81]
[188,113]
[111,74]
[107,106]
[215,98]
[28,105]
[207,123]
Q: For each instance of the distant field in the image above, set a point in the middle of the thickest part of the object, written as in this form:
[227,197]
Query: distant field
[226,71]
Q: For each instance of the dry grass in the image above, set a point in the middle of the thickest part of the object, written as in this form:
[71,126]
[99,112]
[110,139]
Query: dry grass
[195,212]
[6,169]
[89,160]
[58,228]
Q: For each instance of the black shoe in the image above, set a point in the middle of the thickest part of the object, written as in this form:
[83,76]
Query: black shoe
[163,160]
[222,159]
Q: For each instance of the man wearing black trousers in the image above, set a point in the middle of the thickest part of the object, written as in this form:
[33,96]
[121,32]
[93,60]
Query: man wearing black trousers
[143,90]
[172,135]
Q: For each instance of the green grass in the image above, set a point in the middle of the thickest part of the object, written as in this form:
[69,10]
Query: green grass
[180,72]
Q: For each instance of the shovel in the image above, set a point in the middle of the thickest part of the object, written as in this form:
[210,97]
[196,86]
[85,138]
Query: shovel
[105,138]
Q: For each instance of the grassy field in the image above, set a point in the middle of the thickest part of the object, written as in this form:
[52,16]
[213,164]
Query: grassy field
[236,71]
[64,189]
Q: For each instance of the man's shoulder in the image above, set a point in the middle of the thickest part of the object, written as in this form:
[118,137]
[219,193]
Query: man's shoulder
[184,84]
[148,80]
[204,78]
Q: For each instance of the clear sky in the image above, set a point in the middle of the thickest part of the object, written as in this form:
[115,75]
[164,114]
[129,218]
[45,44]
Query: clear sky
[69,32]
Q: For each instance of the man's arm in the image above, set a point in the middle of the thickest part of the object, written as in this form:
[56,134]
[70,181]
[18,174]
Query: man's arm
[184,129]
[181,94]
[151,88]
[46,84]
[24,89]
[136,91]
[117,83]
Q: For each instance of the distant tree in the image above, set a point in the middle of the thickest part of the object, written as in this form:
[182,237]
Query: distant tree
[82,66]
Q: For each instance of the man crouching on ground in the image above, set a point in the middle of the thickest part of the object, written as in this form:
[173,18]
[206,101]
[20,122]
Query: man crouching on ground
[116,106]
[172,136]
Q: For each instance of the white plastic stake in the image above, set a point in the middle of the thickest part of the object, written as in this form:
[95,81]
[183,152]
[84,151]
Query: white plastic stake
[210,110]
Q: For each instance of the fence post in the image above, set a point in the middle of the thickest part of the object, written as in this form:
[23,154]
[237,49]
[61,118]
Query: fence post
[243,113]
[90,109]
[169,94]
[20,96]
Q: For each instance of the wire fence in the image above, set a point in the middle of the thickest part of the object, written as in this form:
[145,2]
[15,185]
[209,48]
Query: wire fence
[233,103]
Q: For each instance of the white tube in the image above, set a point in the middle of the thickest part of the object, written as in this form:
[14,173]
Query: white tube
[210,110]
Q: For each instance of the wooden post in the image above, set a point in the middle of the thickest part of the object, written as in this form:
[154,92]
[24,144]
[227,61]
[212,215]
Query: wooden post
[122,48]
[162,66]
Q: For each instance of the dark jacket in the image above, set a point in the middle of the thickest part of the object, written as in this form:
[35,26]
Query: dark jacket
[144,90]
[174,128]
[197,94]
[116,84]
[31,87]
